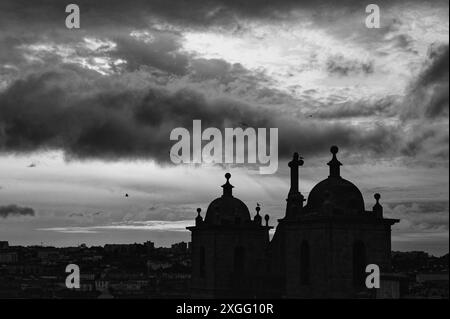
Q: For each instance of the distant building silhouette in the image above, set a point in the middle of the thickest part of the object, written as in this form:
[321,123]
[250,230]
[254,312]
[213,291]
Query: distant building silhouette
[4,245]
[319,250]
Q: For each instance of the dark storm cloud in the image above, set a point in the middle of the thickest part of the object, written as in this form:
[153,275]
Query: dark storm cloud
[14,210]
[162,53]
[435,80]
[426,108]
[339,65]
[438,69]
[196,13]
[22,23]
[91,117]
[217,69]
[427,139]
[235,81]
[429,93]
[88,116]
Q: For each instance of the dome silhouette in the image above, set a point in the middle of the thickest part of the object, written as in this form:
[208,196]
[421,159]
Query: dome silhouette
[335,194]
[227,210]
[345,197]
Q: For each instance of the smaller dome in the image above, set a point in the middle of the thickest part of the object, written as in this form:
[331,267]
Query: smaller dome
[335,193]
[227,209]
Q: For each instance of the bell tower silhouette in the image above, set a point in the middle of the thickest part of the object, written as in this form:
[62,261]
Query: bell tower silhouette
[228,248]
[320,250]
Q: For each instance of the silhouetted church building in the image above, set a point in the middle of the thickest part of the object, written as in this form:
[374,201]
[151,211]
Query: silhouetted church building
[319,250]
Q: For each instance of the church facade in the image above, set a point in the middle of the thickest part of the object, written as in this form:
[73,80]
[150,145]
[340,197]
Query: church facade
[319,249]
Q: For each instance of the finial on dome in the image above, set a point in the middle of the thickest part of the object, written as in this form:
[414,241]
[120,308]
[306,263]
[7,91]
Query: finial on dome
[227,187]
[199,218]
[377,208]
[377,197]
[334,149]
[334,163]
[257,219]
[266,218]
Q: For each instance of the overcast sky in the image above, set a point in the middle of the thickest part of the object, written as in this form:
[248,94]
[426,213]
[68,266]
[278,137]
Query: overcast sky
[85,114]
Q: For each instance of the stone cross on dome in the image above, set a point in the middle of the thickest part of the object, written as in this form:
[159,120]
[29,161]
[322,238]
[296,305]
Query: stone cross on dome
[294,165]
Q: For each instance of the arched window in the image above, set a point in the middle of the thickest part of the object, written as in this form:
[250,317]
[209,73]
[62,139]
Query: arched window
[239,259]
[304,263]
[202,262]
[359,263]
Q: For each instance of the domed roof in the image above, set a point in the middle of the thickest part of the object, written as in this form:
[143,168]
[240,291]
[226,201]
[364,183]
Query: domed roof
[335,192]
[227,209]
[344,196]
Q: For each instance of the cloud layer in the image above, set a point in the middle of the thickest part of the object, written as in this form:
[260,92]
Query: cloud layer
[114,90]
[106,119]
[14,211]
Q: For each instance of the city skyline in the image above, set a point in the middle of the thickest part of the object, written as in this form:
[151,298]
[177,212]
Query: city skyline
[162,226]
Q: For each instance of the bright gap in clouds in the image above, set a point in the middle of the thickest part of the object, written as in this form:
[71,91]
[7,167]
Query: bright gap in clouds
[294,56]
[47,178]
[153,225]
[91,53]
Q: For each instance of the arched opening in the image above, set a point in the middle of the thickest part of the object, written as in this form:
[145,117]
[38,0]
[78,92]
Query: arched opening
[202,262]
[305,263]
[239,259]
[359,263]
